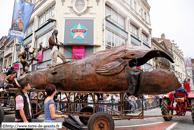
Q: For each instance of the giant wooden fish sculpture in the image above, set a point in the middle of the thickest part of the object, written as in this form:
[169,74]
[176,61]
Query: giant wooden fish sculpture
[109,70]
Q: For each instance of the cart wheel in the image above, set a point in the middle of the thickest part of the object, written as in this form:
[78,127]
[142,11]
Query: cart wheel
[192,109]
[1,114]
[165,110]
[84,120]
[101,121]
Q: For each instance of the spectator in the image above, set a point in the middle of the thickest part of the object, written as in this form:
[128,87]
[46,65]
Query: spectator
[117,99]
[187,86]
[126,103]
[23,111]
[100,100]
[72,106]
[78,99]
[84,99]
[90,100]
[131,104]
[41,100]
[32,95]
[49,105]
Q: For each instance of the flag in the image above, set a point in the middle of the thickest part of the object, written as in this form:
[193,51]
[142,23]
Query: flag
[21,16]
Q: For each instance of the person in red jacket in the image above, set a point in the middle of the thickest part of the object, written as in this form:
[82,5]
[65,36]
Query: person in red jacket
[187,85]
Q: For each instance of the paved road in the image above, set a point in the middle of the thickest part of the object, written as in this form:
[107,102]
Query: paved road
[155,123]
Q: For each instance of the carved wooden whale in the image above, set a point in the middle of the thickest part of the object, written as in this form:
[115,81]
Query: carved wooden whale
[109,70]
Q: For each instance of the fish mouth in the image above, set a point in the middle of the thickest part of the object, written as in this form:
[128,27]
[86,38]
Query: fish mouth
[140,55]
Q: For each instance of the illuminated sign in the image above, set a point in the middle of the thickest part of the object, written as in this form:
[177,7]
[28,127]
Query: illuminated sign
[79,32]
[78,52]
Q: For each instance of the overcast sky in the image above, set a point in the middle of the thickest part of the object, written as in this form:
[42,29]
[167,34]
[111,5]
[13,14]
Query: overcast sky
[175,18]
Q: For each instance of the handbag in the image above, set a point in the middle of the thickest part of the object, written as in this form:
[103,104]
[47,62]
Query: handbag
[72,124]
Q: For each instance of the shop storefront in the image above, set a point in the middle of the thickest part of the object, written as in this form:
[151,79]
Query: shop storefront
[78,38]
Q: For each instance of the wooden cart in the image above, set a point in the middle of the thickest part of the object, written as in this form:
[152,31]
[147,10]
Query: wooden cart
[88,115]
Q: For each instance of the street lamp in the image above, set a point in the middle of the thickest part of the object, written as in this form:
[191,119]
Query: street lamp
[107,16]
[104,23]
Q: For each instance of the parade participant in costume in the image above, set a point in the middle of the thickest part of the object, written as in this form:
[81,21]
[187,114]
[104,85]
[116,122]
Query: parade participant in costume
[10,71]
[10,80]
[24,57]
[54,46]
[36,53]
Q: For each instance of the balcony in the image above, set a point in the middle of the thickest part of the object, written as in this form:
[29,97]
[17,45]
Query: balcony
[8,51]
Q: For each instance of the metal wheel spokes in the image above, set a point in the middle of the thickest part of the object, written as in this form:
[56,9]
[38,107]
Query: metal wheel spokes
[101,124]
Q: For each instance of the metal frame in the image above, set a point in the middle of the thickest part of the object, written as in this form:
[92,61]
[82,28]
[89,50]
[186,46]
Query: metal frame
[119,116]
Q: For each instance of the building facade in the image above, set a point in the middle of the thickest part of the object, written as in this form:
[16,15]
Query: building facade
[2,41]
[160,62]
[179,65]
[87,26]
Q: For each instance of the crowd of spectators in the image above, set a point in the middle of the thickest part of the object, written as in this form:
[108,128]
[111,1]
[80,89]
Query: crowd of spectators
[131,103]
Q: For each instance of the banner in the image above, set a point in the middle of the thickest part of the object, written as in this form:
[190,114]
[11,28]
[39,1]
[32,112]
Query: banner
[21,16]
[78,52]
[188,65]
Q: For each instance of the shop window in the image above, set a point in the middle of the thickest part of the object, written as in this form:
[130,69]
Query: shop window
[113,40]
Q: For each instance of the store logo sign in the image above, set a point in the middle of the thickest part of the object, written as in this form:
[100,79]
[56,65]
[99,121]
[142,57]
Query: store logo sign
[79,32]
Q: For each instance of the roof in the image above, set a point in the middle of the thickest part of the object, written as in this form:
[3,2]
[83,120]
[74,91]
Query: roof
[166,41]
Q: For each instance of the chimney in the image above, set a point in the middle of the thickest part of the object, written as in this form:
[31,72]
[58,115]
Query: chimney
[163,36]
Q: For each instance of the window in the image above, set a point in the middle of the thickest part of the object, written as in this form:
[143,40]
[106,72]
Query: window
[145,15]
[141,12]
[80,4]
[135,5]
[145,38]
[116,18]
[44,39]
[121,22]
[108,40]
[131,3]
[113,40]
[30,28]
[48,13]
[134,30]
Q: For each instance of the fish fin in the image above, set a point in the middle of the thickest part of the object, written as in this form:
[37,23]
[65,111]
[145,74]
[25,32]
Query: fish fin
[112,68]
